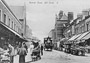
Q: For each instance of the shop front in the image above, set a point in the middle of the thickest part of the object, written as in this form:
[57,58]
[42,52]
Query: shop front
[7,35]
[71,44]
[80,41]
[87,38]
[87,42]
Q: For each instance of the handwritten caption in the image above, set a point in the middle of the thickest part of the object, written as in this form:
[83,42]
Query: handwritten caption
[40,2]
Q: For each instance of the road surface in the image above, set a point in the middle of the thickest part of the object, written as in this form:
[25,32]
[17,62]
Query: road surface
[61,57]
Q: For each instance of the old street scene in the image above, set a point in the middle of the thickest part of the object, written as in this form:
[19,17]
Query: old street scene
[44,31]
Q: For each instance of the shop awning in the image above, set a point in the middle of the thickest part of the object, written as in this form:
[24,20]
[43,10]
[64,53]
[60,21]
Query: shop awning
[86,36]
[11,30]
[79,38]
[63,39]
[74,37]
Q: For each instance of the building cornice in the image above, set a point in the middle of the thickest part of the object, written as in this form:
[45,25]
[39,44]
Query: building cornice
[9,10]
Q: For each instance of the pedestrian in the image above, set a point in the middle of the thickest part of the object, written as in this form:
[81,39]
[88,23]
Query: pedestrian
[22,53]
[24,44]
[31,50]
[16,56]
[11,52]
[41,49]
[31,47]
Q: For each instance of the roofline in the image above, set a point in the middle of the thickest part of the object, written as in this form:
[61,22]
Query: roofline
[10,10]
[87,17]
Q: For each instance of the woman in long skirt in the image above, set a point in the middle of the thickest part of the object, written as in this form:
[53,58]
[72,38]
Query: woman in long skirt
[22,54]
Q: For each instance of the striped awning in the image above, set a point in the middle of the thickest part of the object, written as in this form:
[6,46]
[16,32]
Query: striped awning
[84,34]
[74,37]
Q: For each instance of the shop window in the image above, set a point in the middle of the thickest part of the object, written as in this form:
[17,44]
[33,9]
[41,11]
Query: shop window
[4,18]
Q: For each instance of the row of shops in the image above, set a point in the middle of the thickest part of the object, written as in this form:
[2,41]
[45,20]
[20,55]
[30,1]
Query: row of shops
[80,43]
[7,35]
[84,37]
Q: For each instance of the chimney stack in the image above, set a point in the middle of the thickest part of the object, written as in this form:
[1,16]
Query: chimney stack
[85,13]
[70,16]
[60,14]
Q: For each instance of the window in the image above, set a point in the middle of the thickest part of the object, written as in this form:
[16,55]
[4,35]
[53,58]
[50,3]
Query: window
[17,28]
[87,26]
[4,18]
[12,24]
[0,15]
[9,22]
[84,28]
[77,30]
[81,29]
[58,35]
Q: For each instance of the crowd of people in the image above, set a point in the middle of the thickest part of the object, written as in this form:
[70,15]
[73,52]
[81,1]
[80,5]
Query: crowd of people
[22,49]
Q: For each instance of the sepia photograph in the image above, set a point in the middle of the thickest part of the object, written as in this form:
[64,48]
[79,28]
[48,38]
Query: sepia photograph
[44,31]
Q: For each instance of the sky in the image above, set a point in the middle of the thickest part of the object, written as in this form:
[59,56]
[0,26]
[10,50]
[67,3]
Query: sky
[41,13]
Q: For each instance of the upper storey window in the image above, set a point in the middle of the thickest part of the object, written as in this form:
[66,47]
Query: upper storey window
[4,18]
[0,15]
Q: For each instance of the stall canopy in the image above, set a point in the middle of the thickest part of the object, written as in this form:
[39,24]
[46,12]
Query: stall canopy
[84,34]
[74,37]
